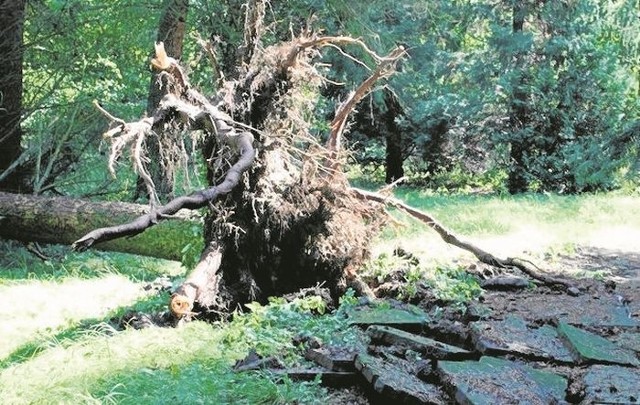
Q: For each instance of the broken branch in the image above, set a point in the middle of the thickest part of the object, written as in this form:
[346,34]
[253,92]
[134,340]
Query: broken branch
[384,69]
[181,303]
[453,239]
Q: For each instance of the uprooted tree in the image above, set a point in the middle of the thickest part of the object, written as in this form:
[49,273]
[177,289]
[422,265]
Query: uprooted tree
[280,212]
[281,215]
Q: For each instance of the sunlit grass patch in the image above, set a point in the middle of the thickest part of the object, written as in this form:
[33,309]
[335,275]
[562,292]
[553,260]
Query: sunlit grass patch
[36,310]
[510,225]
[68,373]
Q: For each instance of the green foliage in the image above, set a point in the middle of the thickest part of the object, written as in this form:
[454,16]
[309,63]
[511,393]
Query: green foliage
[192,251]
[575,64]
[211,382]
[455,284]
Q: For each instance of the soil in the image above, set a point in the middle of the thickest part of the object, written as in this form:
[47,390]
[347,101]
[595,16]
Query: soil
[609,288]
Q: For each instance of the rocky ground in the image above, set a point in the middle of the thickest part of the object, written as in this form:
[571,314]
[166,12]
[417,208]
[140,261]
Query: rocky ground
[514,345]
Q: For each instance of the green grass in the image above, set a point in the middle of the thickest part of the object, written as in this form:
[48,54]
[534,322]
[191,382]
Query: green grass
[510,225]
[58,344]
[495,215]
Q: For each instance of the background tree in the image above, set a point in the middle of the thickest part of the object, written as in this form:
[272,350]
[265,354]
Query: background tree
[11,47]
[162,172]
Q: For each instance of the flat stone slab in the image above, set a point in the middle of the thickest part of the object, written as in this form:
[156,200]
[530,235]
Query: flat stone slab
[426,346]
[336,358]
[612,385]
[410,318]
[514,336]
[605,311]
[497,381]
[395,384]
[595,349]
[629,340]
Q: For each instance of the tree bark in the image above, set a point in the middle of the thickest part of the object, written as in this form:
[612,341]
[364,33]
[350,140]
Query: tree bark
[202,287]
[171,31]
[61,220]
[11,49]
[393,155]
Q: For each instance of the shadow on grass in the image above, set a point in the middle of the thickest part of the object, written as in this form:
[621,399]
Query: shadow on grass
[17,263]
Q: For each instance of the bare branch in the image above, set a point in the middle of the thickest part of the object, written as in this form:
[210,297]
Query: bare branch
[107,114]
[452,239]
[384,69]
[341,40]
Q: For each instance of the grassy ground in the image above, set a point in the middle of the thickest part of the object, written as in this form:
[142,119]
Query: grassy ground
[58,343]
[534,224]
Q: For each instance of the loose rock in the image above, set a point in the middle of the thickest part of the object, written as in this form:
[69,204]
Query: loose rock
[595,349]
[514,336]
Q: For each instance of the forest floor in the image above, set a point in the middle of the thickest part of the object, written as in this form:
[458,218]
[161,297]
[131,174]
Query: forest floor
[586,340]
[62,341]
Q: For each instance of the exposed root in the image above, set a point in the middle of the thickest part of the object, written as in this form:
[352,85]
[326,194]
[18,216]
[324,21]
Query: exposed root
[452,239]
[290,222]
[384,69]
[193,201]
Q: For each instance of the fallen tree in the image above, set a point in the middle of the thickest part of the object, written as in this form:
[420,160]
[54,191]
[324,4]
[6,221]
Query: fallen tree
[60,220]
[281,213]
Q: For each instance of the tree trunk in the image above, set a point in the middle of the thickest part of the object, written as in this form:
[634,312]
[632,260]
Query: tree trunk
[171,31]
[11,49]
[517,182]
[393,155]
[63,220]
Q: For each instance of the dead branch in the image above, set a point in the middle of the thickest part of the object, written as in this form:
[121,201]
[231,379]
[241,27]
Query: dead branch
[181,303]
[384,69]
[453,239]
[340,40]
[107,114]
[253,29]
[210,51]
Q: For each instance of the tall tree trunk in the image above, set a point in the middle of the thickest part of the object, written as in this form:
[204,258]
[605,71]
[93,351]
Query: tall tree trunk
[11,49]
[393,155]
[518,119]
[171,31]
[434,154]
